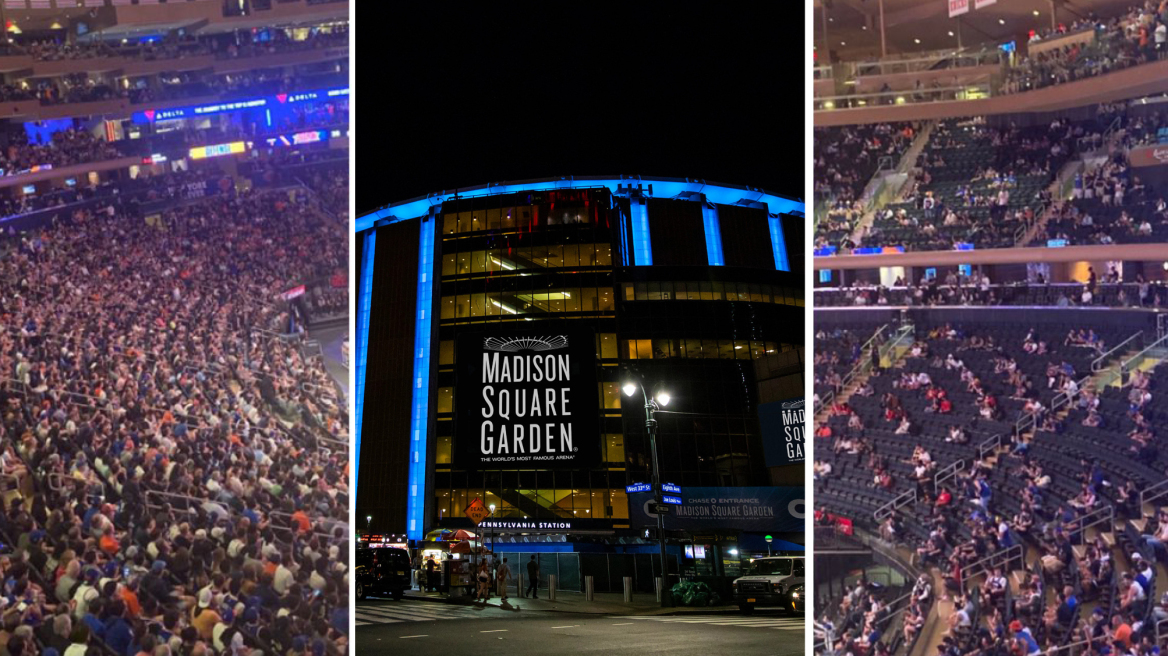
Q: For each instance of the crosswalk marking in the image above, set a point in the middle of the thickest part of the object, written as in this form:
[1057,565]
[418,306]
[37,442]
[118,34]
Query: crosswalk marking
[776,622]
[391,612]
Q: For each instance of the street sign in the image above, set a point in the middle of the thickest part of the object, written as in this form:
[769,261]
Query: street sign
[476,511]
[638,487]
[674,500]
[659,508]
[670,487]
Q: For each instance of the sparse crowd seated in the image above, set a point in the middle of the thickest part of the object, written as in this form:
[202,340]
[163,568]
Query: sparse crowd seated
[1020,539]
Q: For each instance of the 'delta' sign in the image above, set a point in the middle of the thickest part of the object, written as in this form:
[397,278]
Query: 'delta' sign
[526,398]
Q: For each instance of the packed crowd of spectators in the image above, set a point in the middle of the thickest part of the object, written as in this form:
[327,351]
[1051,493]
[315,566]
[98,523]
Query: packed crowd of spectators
[65,148]
[176,468]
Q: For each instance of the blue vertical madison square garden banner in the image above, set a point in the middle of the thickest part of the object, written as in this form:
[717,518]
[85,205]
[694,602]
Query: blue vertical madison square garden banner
[778,509]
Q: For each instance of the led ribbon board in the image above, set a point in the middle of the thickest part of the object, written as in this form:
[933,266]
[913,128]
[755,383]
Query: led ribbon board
[218,150]
[298,139]
[526,398]
[192,111]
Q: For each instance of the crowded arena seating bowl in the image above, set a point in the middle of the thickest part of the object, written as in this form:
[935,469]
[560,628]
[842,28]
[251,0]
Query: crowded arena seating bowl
[177,461]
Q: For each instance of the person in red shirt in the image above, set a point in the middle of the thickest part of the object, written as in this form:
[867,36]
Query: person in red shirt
[944,498]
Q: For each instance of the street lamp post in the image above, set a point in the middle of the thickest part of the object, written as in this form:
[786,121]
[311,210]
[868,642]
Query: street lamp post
[651,426]
[492,516]
[768,540]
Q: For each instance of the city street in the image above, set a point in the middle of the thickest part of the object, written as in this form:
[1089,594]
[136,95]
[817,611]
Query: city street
[383,626]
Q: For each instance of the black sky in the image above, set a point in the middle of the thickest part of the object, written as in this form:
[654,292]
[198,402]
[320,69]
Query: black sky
[482,92]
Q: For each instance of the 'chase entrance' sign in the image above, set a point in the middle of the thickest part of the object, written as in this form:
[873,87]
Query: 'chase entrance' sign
[526,400]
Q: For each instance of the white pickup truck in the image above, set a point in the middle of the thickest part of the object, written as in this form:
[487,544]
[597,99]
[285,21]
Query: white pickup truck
[772,581]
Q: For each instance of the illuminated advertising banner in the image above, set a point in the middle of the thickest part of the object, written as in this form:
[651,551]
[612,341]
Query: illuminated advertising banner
[194,111]
[218,150]
[526,398]
[779,509]
[298,139]
[782,428]
[1149,155]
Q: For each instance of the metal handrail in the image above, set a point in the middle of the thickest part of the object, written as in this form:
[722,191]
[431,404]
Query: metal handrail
[1097,362]
[989,446]
[1126,365]
[903,500]
[826,399]
[1099,516]
[1055,650]
[904,97]
[947,473]
[1066,398]
[1002,557]
[1154,492]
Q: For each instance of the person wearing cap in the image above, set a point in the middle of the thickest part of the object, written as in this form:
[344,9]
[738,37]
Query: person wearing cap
[1022,638]
[204,618]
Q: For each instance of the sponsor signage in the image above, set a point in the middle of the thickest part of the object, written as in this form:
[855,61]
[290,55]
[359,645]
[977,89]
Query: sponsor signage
[705,509]
[783,432]
[192,111]
[1154,155]
[527,398]
[670,487]
[298,139]
[218,150]
[638,487]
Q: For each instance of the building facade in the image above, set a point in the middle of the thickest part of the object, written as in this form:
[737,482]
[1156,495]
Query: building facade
[576,287]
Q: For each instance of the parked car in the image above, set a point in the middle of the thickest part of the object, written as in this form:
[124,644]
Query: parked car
[769,582]
[382,572]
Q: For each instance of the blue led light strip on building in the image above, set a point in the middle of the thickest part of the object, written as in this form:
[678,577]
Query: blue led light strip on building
[713,235]
[363,298]
[779,244]
[713,193]
[420,412]
[642,249]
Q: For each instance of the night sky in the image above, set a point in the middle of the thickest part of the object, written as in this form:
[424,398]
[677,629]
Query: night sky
[511,91]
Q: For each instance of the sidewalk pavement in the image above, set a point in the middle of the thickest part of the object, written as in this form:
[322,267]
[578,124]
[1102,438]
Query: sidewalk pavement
[604,603]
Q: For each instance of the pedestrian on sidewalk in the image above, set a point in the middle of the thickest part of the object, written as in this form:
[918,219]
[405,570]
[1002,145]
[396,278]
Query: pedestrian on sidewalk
[431,579]
[532,577]
[501,576]
[484,581]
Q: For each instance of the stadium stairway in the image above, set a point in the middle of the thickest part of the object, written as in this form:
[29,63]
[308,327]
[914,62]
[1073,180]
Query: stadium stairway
[906,162]
[894,356]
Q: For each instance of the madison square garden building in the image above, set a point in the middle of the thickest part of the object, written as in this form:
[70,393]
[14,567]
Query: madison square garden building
[496,327]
